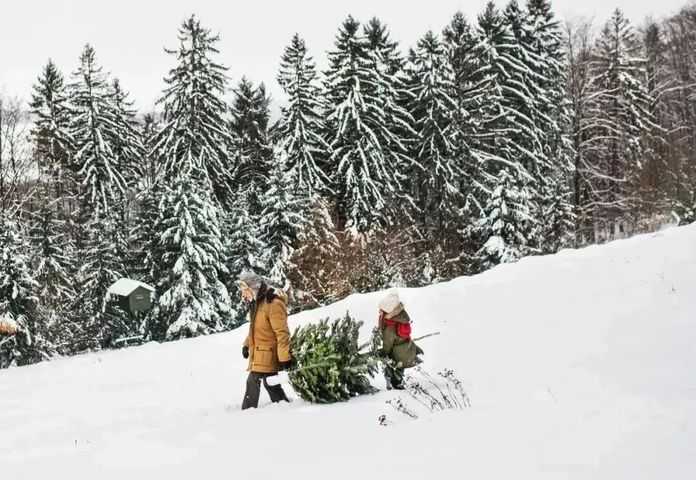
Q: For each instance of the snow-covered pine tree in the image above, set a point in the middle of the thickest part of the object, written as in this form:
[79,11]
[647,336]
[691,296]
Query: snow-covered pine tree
[52,257]
[249,127]
[102,264]
[434,106]
[301,125]
[131,154]
[142,238]
[186,257]
[503,225]
[97,131]
[500,74]
[656,175]
[129,145]
[150,125]
[387,50]
[282,222]
[53,260]
[520,87]
[330,366]
[94,128]
[192,298]
[368,151]
[680,118]
[619,120]
[194,127]
[541,41]
[18,302]
[52,249]
[52,136]
[461,43]
[475,101]
[395,95]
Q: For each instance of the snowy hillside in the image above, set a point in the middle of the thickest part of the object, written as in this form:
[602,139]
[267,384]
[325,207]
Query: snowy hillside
[578,365]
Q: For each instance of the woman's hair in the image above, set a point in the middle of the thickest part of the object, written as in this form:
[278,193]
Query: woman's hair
[265,293]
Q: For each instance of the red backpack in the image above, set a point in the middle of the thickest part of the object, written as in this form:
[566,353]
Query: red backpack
[403,330]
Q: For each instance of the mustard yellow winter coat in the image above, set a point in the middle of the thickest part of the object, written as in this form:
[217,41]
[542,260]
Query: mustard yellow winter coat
[269,335]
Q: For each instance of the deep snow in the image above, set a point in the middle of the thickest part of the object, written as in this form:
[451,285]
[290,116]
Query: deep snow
[578,365]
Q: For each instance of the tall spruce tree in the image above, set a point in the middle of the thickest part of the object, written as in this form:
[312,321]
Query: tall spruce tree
[395,96]
[619,121]
[500,74]
[434,108]
[186,257]
[475,101]
[129,145]
[301,125]
[142,238]
[364,130]
[131,156]
[193,123]
[249,126]
[655,179]
[97,137]
[52,135]
[52,249]
[192,297]
[542,52]
[94,129]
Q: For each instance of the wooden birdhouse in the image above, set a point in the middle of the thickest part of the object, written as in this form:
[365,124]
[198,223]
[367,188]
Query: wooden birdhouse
[132,296]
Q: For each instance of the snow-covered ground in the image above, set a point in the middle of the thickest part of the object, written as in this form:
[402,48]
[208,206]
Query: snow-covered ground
[578,365]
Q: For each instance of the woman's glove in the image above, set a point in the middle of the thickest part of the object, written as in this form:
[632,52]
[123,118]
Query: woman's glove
[245,351]
[286,365]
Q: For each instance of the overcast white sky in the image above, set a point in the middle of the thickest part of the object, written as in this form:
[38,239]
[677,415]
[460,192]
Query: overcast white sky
[129,35]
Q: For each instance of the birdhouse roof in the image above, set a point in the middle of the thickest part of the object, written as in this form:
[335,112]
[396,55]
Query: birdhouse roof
[126,286]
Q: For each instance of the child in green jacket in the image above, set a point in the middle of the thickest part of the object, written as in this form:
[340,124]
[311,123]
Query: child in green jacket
[397,345]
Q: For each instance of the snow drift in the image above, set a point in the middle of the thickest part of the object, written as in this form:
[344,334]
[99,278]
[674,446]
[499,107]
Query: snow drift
[578,365]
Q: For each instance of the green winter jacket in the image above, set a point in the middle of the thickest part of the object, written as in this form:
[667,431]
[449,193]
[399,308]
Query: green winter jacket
[401,350]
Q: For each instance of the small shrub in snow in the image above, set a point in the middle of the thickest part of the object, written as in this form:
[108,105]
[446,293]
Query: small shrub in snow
[425,393]
[329,364]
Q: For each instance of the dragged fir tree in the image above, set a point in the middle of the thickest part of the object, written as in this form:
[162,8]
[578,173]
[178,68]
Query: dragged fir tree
[329,364]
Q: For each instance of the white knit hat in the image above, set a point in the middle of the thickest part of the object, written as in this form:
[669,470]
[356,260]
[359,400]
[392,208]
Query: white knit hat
[390,303]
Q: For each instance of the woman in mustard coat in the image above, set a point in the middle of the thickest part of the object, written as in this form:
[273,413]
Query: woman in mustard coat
[267,345]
